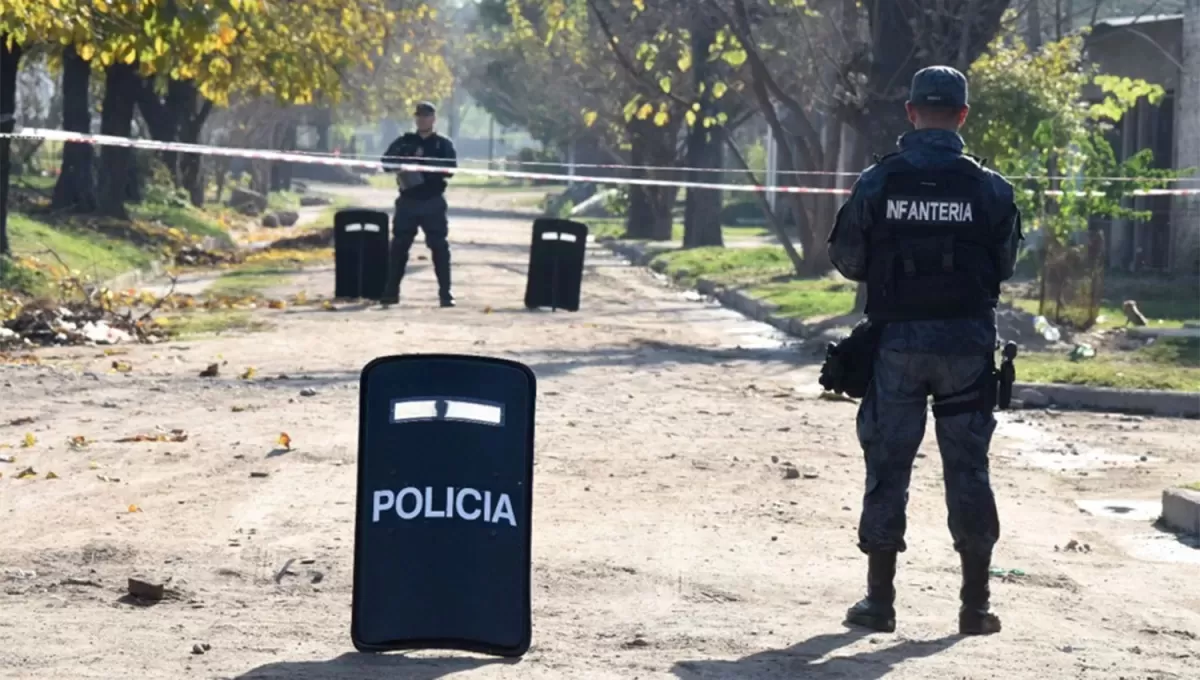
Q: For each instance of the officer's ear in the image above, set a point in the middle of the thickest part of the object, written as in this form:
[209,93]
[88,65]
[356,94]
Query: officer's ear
[962,115]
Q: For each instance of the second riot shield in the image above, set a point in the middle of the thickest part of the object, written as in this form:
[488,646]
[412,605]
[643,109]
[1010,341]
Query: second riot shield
[556,264]
[360,253]
[444,505]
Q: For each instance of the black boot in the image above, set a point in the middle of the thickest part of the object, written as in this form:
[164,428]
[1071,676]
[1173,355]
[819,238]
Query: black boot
[877,610]
[975,617]
[441,269]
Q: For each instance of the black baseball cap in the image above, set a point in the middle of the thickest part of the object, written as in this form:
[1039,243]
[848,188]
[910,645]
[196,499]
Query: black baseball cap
[425,109]
[939,86]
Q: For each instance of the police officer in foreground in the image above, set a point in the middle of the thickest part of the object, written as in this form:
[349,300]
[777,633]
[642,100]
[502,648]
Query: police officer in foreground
[422,203]
[932,233]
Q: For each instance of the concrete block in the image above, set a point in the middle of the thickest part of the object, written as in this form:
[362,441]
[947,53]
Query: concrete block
[1181,510]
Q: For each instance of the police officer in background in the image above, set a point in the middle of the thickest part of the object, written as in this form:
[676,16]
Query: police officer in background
[932,233]
[422,203]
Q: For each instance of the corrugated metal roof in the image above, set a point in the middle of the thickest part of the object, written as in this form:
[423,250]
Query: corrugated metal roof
[1117,22]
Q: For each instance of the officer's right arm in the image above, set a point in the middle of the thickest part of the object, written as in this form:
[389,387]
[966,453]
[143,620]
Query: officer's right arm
[848,240]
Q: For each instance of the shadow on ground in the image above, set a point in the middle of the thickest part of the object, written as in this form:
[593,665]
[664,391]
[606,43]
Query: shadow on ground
[654,353]
[804,660]
[355,666]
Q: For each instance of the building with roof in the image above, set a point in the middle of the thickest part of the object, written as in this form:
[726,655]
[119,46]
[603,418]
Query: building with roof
[1159,49]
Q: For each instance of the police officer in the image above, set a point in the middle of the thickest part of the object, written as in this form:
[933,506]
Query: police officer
[932,233]
[422,203]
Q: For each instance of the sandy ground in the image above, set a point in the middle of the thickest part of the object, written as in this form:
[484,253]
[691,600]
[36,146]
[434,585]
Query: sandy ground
[667,542]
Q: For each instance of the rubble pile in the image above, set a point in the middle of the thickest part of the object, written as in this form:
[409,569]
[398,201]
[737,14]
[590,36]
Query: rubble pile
[200,256]
[75,324]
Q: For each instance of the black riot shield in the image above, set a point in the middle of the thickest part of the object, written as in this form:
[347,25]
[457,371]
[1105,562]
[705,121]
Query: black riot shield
[360,253]
[556,264]
[444,504]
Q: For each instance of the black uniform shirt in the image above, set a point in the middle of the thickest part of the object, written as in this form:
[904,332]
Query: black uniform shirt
[848,249]
[432,150]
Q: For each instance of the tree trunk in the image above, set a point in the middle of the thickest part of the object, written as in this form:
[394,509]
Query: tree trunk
[117,163]
[9,60]
[898,52]
[1033,26]
[323,137]
[191,165]
[75,189]
[825,206]
[281,171]
[702,211]
[650,206]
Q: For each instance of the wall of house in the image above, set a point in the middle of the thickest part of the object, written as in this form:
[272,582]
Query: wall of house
[1152,52]
[1185,214]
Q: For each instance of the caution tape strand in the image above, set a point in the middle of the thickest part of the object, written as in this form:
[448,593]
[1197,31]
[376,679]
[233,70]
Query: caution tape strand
[312,159]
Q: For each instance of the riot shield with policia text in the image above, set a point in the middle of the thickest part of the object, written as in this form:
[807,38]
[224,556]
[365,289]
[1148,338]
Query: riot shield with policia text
[442,550]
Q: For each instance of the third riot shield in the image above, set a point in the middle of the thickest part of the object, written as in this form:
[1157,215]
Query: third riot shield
[556,264]
[360,253]
[444,505]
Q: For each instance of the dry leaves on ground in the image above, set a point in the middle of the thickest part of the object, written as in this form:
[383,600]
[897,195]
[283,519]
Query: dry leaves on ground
[172,436]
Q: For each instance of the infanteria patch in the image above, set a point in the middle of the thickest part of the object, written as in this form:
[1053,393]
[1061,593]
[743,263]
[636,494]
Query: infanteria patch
[929,210]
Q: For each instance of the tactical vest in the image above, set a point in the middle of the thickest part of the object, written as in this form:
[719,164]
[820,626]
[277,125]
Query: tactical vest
[929,252]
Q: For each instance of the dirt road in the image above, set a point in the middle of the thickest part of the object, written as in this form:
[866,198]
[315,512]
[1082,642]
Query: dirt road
[667,541]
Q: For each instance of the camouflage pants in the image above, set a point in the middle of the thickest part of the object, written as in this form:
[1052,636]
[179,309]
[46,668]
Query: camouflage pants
[891,425]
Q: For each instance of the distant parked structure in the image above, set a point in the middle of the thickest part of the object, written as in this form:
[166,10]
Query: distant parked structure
[1160,49]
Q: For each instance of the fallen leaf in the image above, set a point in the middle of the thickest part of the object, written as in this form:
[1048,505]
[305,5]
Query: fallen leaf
[327,306]
[238,409]
[112,352]
[277,304]
[93,465]
[122,366]
[211,371]
[51,475]
[487,310]
[249,374]
[28,441]
[134,508]
[78,441]
[176,436]
[285,441]
[26,473]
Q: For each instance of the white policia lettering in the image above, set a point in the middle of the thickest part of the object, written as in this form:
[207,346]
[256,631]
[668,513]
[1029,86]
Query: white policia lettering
[468,504]
[929,211]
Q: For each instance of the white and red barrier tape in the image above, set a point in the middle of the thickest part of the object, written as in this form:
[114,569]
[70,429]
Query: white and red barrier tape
[315,159]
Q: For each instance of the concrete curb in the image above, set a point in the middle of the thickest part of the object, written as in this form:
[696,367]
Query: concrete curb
[1076,397]
[1147,402]
[1181,510]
